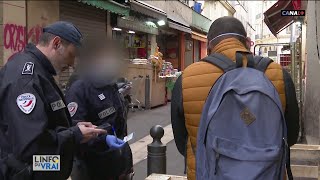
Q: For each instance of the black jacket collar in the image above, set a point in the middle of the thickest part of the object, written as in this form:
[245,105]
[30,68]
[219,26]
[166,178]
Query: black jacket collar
[42,59]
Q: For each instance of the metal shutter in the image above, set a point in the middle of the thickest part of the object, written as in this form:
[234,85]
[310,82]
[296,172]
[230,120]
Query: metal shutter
[89,20]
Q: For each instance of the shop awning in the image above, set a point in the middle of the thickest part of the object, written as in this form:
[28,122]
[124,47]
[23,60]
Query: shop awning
[148,9]
[200,22]
[198,36]
[179,27]
[273,18]
[108,5]
[177,18]
[136,26]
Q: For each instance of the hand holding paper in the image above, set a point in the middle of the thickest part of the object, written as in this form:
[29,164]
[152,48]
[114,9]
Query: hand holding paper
[113,142]
[128,138]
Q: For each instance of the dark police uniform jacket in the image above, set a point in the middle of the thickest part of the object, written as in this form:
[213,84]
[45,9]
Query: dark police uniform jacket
[34,116]
[100,103]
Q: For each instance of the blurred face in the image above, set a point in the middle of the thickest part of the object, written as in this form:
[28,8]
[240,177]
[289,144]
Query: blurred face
[68,54]
[102,59]
[63,53]
[106,64]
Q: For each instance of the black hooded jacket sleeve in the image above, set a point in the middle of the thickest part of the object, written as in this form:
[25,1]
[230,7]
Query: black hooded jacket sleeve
[177,118]
[292,110]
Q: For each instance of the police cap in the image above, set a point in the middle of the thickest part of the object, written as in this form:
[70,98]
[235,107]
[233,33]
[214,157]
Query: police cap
[66,31]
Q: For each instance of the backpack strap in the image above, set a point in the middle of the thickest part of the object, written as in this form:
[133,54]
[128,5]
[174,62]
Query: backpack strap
[262,63]
[227,64]
[239,59]
[220,61]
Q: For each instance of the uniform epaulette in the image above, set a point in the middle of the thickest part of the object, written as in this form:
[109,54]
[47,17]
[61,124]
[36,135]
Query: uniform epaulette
[28,68]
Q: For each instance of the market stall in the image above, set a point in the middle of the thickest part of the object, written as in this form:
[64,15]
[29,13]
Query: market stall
[165,71]
[161,76]
[138,69]
[170,75]
[168,42]
[145,62]
[139,42]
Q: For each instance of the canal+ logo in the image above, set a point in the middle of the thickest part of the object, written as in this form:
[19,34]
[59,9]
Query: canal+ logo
[46,162]
[293,12]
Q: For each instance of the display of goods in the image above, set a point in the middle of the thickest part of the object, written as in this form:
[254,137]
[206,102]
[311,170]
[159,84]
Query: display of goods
[168,70]
[156,60]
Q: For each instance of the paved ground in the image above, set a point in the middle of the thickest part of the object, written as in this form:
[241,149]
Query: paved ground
[140,122]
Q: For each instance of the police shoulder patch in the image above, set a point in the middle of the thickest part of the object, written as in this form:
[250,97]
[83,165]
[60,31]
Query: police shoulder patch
[28,68]
[26,102]
[72,107]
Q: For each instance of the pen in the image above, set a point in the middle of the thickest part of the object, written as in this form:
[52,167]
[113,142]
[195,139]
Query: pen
[114,132]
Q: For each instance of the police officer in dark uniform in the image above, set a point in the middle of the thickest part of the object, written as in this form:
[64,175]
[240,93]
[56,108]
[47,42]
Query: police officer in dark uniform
[95,98]
[34,119]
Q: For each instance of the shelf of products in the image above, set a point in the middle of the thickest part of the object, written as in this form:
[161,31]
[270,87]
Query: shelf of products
[168,71]
[139,61]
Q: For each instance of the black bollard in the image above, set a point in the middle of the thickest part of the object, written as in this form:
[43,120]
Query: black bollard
[157,159]
[147,92]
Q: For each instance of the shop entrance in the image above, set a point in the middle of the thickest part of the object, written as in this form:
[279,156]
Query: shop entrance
[168,44]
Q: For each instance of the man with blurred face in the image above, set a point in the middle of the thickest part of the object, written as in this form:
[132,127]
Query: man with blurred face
[34,118]
[226,36]
[93,96]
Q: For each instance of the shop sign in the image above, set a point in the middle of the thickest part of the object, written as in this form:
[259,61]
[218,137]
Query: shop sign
[136,26]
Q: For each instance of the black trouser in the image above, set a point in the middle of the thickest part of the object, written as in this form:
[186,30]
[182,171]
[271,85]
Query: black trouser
[79,170]
[14,169]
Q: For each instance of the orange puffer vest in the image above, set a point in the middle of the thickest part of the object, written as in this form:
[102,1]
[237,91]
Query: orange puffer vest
[197,80]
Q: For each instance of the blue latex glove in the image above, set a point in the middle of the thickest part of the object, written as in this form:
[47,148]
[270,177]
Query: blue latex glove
[113,142]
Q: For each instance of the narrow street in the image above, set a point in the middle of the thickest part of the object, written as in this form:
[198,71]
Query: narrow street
[140,122]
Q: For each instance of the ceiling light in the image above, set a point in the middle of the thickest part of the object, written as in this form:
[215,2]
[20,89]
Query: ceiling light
[116,29]
[161,22]
[131,32]
[150,23]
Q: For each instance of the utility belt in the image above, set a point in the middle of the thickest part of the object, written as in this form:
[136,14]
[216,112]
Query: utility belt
[14,169]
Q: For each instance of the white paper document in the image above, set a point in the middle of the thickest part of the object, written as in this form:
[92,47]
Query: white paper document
[128,138]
